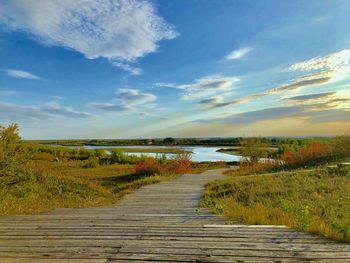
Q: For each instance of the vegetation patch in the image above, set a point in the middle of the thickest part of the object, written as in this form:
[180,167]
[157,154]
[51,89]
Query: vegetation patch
[314,201]
[35,178]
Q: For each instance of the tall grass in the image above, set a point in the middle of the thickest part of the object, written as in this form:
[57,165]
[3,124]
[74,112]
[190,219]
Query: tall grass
[316,201]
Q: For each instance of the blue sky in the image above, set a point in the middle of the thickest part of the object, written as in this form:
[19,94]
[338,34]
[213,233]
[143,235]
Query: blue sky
[198,68]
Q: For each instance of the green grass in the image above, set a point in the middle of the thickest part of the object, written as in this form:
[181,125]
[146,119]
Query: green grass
[313,201]
[48,185]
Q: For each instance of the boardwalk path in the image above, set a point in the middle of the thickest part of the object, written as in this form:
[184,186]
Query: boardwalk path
[156,223]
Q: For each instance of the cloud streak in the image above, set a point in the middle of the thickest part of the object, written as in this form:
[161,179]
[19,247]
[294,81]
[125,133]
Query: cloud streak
[213,103]
[203,87]
[15,112]
[126,101]
[238,54]
[333,61]
[20,74]
[121,31]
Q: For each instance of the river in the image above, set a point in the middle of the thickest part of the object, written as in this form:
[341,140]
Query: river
[198,153]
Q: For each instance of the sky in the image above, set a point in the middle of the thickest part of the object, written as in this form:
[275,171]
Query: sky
[89,69]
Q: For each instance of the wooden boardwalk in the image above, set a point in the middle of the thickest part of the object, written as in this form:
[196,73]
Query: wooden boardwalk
[157,223]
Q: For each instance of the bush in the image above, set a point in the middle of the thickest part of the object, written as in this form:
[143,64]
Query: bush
[13,153]
[92,162]
[150,165]
[254,149]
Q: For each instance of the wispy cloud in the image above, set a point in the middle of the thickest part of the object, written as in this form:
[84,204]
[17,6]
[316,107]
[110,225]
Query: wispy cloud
[54,108]
[107,106]
[118,30]
[333,61]
[203,87]
[134,96]
[258,115]
[126,101]
[211,102]
[307,112]
[294,85]
[16,112]
[310,97]
[20,74]
[238,53]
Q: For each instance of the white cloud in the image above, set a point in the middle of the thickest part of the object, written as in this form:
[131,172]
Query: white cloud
[21,74]
[333,61]
[126,101]
[203,87]
[237,54]
[119,30]
[15,112]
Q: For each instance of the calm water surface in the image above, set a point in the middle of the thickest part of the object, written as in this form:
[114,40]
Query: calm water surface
[199,153]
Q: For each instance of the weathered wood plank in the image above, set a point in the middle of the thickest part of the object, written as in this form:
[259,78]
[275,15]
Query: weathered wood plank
[158,223]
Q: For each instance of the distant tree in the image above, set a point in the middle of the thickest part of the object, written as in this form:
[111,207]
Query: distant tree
[12,151]
[169,140]
[253,149]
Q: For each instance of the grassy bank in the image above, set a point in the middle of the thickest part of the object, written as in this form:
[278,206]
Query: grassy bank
[314,201]
[45,185]
[35,178]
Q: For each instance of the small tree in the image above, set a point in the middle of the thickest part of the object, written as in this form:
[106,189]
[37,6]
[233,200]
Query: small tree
[12,152]
[253,149]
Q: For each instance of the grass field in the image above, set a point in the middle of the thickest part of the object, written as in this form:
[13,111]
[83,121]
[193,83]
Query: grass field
[314,201]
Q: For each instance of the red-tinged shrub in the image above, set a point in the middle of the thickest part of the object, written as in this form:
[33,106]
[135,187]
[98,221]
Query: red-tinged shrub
[310,154]
[183,163]
[150,166]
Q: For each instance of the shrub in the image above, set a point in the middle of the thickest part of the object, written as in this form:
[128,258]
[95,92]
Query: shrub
[150,165]
[92,162]
[254,149]
[307,155]
[13,154]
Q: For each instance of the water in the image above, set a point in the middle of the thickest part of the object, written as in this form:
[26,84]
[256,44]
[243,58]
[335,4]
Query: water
[199,153]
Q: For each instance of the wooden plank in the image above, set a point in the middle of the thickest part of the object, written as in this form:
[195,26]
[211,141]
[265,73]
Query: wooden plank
[156,223]
[47,260]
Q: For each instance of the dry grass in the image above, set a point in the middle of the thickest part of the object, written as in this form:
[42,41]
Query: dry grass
[317,201]
[204,166]
[46,185]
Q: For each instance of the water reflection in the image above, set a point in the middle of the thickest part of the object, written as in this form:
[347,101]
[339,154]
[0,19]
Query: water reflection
[199,153]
